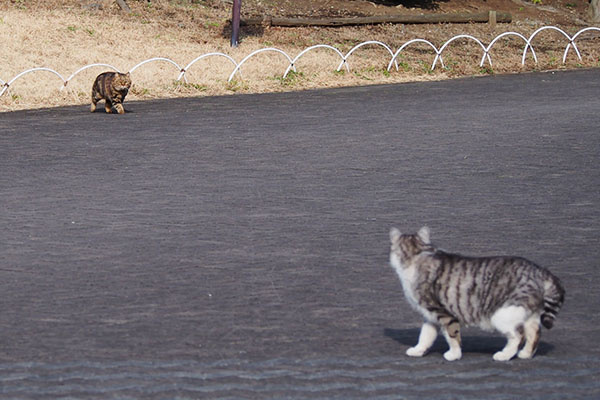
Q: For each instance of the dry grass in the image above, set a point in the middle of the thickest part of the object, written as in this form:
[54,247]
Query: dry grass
[64,36]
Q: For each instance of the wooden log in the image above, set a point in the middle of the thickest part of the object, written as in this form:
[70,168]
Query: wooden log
[455,18]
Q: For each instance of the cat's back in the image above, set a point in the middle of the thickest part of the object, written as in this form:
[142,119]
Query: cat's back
[103,82]
[474,287]
[481,273]
[481,265]
[105,77]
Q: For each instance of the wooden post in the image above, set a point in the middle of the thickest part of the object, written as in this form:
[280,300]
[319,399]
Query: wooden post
[492,18]
[594,10]
[235,22]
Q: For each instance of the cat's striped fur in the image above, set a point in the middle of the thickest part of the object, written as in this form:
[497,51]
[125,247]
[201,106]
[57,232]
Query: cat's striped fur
[112,87]
[508,294]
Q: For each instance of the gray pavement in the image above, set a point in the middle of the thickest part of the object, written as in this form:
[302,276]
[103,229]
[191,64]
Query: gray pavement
[236,247]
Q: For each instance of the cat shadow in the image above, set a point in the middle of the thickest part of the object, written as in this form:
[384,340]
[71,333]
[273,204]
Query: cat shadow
[101,111]
[484,344]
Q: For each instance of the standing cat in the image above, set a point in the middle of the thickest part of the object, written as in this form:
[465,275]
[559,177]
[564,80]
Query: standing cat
[112,87]
[509,294]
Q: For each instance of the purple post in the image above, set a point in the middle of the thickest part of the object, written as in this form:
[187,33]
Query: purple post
[235,22]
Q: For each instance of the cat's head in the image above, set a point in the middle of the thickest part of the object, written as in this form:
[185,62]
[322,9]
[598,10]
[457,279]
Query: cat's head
[122,82]
[407,246]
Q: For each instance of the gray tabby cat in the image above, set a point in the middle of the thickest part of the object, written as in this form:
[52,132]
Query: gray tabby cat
[508,294]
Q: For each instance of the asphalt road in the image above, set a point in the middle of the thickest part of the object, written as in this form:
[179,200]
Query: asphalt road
[236,247]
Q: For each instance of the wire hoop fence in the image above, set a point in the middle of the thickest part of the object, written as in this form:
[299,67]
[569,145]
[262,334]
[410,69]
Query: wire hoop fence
[292,62]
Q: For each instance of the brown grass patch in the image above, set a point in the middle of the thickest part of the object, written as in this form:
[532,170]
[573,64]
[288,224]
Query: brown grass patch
[65,36]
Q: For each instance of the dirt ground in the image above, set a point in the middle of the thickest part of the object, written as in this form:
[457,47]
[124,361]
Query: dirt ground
[65,35]
[554,11]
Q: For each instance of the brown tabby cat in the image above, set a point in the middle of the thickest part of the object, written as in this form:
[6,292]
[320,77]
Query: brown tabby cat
[509,294]
[112,87]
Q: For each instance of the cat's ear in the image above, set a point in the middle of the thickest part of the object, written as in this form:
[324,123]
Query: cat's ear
[424,234]
[394,235]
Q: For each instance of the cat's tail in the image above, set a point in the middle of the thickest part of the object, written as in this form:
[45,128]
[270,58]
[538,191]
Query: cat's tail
[554,296]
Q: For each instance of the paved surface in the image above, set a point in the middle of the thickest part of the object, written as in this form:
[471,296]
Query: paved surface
[236,247]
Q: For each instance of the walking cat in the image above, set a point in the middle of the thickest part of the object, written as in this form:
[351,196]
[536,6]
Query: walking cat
[112,87]
[508,294]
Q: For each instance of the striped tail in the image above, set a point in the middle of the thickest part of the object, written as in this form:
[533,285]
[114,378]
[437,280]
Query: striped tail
[554,296]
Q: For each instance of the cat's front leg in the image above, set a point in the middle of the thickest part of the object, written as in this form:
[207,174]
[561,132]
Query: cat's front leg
[426,339]
[119,108]
[451,331]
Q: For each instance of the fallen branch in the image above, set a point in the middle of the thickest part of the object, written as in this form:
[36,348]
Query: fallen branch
[455,18]
[124,6]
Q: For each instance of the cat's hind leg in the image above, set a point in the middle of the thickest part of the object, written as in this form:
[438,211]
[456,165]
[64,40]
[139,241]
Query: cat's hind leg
[95,99]
[108,106]
[532,337]
[451,331]
[510,321]
[426,339]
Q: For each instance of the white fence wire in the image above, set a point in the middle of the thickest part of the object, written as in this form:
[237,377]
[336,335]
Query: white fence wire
[344,58]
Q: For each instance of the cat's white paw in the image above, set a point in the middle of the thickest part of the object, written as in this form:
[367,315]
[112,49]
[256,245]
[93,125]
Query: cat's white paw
[523,354]
[415,352]
[502,356]
[452,355]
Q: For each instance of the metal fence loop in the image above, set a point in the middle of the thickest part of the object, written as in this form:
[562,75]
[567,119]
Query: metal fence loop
[571,44]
